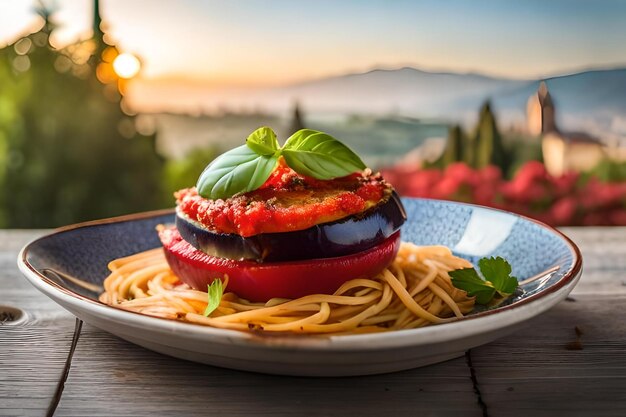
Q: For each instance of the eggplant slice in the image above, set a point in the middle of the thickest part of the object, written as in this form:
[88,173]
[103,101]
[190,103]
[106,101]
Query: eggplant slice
[345,236]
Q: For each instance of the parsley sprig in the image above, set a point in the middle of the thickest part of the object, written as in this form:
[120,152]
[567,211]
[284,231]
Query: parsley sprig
[247,167]
[497,280]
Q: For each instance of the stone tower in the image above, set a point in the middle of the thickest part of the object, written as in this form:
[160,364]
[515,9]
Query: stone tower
[540,112]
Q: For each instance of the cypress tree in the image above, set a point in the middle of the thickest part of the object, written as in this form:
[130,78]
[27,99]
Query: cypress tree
[469,150]
[297,121]
[489,149]
[453,151]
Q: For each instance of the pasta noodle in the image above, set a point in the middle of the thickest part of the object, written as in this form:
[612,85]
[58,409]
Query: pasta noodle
[414,291]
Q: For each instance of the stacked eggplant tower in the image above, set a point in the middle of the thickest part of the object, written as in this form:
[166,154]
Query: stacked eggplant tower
[292,237]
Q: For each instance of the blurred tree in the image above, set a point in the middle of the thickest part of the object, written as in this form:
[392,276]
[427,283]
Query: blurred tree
[608,170]
[67,151]
[453,150]
[521,149]
[296,121]
[489,149]
[484,147]
[454,146]
[184,173]
[469,150]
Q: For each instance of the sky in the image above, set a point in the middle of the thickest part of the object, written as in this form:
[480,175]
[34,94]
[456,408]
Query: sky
[255,42]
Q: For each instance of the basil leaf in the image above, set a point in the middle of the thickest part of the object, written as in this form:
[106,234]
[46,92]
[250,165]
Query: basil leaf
[263,141]
[319,155]
[237,171]
[215,291]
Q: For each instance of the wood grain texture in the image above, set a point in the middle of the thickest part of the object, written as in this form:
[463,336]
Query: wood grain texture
[604,259]
[534,371]
[11,241]
[118,377]
[33,351]
[548,369]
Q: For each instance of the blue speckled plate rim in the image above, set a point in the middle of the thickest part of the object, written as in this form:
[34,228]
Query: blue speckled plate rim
[563,281]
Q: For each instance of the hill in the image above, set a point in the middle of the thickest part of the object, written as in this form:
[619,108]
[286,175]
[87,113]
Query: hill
[590,100]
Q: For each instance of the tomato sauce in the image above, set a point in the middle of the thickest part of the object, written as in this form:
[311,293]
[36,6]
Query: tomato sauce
[286,202]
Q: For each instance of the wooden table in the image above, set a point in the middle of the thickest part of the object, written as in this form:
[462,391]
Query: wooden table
[570,361]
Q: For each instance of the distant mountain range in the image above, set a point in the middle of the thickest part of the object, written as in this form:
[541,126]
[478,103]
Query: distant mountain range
[406,90]
[591,100]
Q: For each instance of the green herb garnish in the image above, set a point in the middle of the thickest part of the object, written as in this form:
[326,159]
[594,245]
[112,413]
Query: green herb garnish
[498,280]
[319,155]
[247,167]
[216,289]
[263,141]
[237,171]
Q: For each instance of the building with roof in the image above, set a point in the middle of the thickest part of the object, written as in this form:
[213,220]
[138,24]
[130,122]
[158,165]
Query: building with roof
[562,151]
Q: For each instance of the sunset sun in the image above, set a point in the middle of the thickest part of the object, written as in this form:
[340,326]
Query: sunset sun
[126,65]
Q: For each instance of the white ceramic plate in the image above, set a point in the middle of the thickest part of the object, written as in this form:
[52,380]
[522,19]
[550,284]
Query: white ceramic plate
[83,251]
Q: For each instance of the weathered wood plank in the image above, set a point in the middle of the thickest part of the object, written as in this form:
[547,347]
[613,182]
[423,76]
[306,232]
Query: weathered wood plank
[547,369]
[111,377]
[604,259]
[13,240]
[32,351]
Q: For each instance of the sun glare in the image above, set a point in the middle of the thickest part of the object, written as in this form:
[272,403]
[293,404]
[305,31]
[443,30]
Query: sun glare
[126,65]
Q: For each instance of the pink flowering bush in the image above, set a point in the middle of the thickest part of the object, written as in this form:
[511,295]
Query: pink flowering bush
[567,200]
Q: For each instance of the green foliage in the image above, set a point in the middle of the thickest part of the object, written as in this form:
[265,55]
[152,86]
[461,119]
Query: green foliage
[488,142]
[469,150]
[522,148]
[454,149]
[454,152]
[486,146]
[609,170]
[64,157]
[183,173]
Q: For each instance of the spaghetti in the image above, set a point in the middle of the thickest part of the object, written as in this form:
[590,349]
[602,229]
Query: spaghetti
[414,291]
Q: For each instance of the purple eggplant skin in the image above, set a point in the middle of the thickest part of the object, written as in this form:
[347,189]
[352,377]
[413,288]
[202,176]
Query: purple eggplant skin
[345,236]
